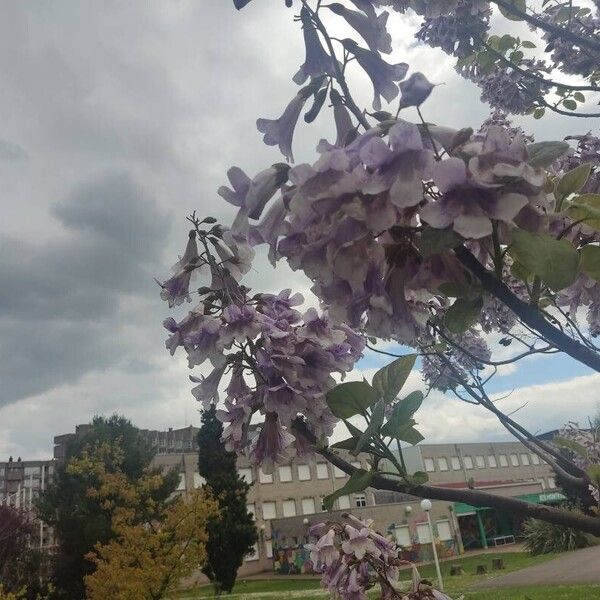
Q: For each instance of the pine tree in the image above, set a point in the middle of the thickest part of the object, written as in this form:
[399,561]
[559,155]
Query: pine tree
[232,534]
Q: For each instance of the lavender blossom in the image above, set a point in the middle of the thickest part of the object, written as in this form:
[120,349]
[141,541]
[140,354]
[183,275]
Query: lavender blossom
[415,90]
[207,390]
[371,28]
[271,444]
[382,75]
[317,62]
[324,552]
[280,132]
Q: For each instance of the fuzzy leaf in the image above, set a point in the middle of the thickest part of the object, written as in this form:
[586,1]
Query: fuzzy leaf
[554,261]
[373,427]
[351,398]
[433,241]
[402,414]
[586,207]
[388,381]
[519,5]
[360,480]
[463,314]
[590,261]
[544,154]
[572,181]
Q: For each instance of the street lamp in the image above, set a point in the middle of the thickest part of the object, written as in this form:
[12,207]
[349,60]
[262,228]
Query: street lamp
[426,506]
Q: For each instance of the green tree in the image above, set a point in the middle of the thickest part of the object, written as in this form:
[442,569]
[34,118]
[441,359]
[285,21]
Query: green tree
[80,520]
[232,534]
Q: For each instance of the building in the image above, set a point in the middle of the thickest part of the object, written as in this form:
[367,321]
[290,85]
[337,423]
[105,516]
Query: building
[21,481]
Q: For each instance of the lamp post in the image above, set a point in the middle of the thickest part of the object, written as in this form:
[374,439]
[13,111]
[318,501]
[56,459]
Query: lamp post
[426,506]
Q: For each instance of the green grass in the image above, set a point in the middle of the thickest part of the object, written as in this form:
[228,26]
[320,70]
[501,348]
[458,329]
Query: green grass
[291,588]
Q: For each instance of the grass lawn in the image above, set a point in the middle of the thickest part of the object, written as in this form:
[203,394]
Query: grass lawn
[290,588]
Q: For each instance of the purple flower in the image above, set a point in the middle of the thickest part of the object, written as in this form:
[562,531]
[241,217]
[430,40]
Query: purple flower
[237,417]
[176,289]
[241,322]
[324,552]
[280,306]
[285,401]
[271,444]
[382,75]
[371,28]
[320,329]
[207,391]
[253,194]
[343,121]
[204,341]
[359,543]
[317,62]
[235,254]
[280,132]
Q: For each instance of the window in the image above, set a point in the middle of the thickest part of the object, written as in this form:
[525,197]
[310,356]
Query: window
[269,548]
[551,482]
[535,459]
[543,484]
[289,508]
[246,474]
[468,462]
[253,555]
[285,474]
[356,463]
[423,533]
[444,532]
[322,505]
[199,481]
[503,460]
[32,471]
[492,461]
[322,471]
[251,510]
[442,463]
[514,460]
[338,473]
[303,472]
[265,477]
[178,444]
[525,460]
[308,506]
[480,462]
[360,500]
[454,460]
[403,536]
[343,502]
[429,465]
[269,510]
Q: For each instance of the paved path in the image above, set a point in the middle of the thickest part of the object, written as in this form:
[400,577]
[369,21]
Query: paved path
[580,566]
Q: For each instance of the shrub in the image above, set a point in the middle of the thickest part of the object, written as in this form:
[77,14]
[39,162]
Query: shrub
[544,538]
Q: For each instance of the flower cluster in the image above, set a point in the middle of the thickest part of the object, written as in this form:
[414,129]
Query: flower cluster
[280,360]
[353,558]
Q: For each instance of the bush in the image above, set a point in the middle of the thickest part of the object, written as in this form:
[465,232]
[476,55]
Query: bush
[544,538]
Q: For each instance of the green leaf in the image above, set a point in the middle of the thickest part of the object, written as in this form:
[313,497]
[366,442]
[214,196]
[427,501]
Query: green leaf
[388,381]
[572,181]
[373,428]
[516,56]
[528,44]
[360,480]
[402,414]
[543,154]
[506,42]
[434,241]
[593,472]
[554,261]
[351,398]
[590,261]
[463,314]
[519,5]
[579,97]
[539,112]
[350,444]
[417,478]
[586,207]
[453,289]
[570,104]
[409,434]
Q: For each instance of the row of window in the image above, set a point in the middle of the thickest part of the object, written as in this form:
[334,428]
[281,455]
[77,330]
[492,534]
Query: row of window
[179,444]
[307,506]
[481,462]
[403,538]
[285,473]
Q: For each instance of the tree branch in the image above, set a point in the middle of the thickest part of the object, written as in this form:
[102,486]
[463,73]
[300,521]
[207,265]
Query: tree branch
[473,497]
[528,313]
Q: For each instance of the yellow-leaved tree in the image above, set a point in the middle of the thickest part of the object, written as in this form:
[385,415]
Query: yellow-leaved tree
[156,544]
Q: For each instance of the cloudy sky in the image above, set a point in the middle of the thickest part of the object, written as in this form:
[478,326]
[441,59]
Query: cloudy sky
[119,118]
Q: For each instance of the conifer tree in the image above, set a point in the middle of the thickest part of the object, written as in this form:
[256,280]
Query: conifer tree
[232,534]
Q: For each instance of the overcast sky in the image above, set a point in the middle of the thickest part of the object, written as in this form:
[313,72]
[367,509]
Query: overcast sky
[119,118]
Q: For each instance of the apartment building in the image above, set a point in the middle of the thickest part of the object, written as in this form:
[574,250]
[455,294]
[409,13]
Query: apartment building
[21,481]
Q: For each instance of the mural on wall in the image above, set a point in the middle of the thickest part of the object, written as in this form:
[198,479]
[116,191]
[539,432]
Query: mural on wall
[292,560]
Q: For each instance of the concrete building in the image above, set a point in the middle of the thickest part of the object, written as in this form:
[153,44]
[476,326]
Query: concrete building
[21,481]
